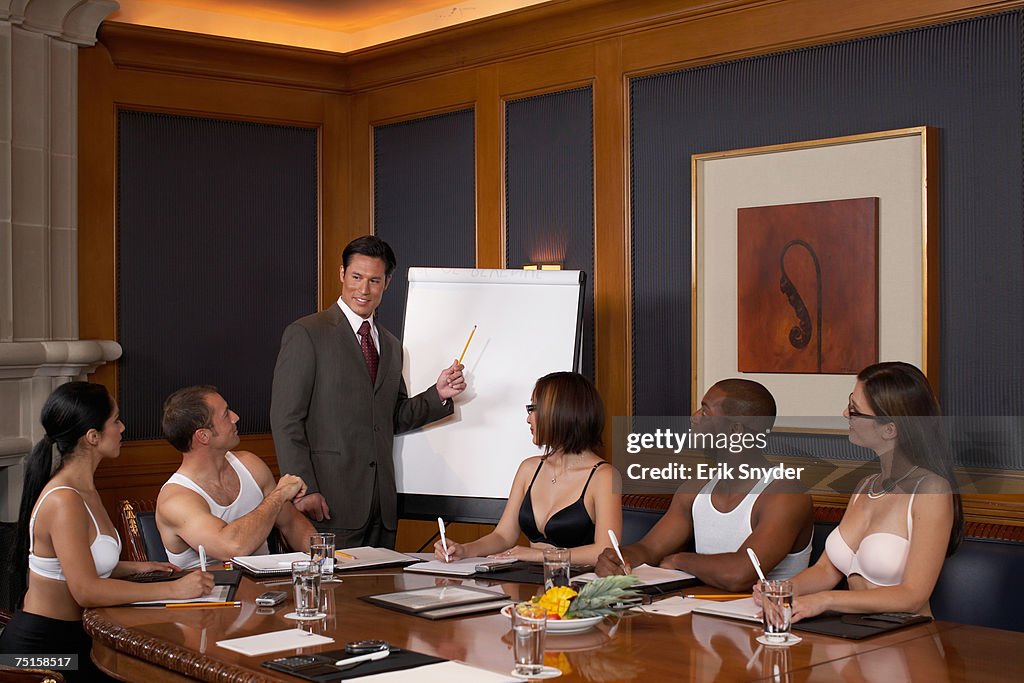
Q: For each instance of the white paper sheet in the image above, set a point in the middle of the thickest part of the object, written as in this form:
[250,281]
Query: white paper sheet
[443,672]
[648,575]
[675,606]
[744,608]
[275,641]
[218,594]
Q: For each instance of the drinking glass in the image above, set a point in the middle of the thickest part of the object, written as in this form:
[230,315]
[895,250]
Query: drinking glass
[777,610]
[321,551]
[529,624]
[306,582]
[556,567]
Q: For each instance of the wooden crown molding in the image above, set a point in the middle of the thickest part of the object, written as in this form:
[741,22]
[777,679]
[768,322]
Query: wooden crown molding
[189,54]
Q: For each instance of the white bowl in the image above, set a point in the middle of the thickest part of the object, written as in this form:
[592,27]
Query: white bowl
[559,626]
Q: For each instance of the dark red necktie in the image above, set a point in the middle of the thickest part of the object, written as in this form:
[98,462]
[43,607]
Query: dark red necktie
[370,354]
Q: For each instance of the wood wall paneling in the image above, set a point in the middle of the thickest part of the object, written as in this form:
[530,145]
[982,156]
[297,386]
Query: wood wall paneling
[529,52]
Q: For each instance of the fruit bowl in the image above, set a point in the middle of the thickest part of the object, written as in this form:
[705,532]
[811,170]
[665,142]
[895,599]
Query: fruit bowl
[559,626]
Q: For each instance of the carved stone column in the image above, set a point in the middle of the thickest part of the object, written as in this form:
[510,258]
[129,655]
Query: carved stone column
[39,345]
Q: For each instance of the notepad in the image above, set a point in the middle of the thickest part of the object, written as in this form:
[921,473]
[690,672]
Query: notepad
[218,594]
[275,641]
[744,608]
[648,575]
[366,556]
[675,606]
[269,565]
[463,567]
[442,672]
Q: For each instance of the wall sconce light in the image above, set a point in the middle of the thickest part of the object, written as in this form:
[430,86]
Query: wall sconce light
[542,266]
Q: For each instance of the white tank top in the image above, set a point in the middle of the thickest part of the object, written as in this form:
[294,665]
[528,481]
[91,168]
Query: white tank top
[717,532]
[250,495]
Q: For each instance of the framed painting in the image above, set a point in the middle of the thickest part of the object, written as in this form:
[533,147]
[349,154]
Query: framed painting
[812,260]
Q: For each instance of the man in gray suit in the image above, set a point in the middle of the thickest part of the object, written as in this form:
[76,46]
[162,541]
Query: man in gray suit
[339,398]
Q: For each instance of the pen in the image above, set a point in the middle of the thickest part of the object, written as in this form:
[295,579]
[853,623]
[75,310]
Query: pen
[369,657]
[176,605]
[202,558]
[463,355]
[757,564]
[615,547]
[719,596]
[444,541]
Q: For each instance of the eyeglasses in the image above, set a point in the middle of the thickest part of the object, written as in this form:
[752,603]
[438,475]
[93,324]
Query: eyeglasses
[531,408]
[853,412]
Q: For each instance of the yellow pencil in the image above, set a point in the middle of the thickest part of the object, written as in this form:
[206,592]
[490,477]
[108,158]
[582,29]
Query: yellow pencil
[471,333]
[203,604]
[720,596]
[338,552]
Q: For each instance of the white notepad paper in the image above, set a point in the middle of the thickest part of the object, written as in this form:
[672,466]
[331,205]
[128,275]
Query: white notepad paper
[463,567]
[275,641]
[442,672]
[676,606]
[744,608]
[280,563]
[648,575]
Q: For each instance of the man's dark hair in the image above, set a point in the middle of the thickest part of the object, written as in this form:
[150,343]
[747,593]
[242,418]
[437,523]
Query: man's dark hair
[185,411]
[747,398]
[372,246]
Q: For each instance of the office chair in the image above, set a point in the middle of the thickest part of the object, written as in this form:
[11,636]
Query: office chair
[138,524]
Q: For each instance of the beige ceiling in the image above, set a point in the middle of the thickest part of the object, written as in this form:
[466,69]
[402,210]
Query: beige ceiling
[332,25]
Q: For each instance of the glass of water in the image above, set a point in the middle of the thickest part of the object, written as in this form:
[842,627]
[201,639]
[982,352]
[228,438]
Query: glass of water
[321,551]
[556,567]
[306,582]
[529,624]
[777,610]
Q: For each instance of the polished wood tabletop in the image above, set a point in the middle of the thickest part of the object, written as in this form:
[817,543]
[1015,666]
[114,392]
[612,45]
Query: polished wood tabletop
[157,644]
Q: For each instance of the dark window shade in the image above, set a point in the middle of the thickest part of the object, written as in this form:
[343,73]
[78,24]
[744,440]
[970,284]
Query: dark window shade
[217,253]
[424,200]
[549,186]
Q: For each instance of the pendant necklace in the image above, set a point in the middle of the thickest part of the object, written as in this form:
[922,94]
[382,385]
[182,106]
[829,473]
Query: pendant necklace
[871,487]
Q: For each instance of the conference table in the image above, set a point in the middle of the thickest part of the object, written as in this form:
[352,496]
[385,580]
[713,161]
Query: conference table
[159,644]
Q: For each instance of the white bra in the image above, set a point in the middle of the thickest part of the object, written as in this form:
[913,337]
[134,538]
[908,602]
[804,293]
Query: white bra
[106,550]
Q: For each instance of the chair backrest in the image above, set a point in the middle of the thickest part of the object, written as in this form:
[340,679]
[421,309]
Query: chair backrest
[138,526]
[640,513]
[10,675]
[979,584]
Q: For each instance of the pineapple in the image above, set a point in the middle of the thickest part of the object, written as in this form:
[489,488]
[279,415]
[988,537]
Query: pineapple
[596,597]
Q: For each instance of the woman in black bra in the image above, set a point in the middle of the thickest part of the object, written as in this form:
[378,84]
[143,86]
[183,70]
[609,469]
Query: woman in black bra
[565,498]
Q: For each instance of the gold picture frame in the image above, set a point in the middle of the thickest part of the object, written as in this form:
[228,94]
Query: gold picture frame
[900,167]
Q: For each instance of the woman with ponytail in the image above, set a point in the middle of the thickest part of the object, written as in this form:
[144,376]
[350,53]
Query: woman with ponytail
[68,552]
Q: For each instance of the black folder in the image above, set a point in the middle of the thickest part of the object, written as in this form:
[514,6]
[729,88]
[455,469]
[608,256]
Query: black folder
[859,626]
[320,667]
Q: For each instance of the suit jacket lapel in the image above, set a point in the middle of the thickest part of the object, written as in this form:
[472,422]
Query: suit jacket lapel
[348,341]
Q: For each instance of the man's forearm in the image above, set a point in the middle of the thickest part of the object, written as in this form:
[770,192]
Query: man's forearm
[247,533]
[727,571]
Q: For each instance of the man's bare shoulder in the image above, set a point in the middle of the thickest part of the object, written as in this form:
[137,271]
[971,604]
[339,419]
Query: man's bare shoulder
[256,466]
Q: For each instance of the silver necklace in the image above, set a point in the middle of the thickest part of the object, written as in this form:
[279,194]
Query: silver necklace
[871,487]
[554,475]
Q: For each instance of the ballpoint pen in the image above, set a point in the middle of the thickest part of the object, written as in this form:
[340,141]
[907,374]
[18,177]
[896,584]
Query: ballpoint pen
[369,657]
[444,541]
[615,547]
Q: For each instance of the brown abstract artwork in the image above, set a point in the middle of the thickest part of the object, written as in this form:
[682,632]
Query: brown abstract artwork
[808,287]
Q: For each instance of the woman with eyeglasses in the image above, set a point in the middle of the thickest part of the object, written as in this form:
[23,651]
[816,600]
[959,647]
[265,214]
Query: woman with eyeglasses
[67,551]
[565,497]
[901,523]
